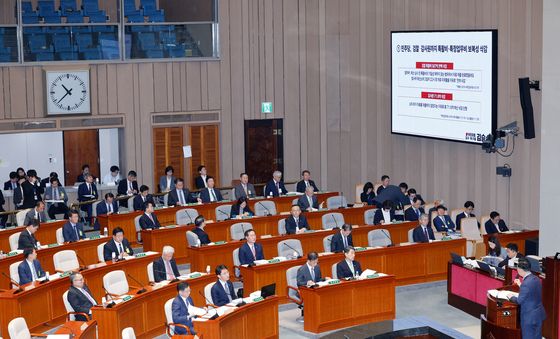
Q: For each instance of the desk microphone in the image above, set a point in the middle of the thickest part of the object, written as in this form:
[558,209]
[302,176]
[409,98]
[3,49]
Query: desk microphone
[224,213]
[190,218]
[266,208]
[335,222]
[19,289]
[388,237]
[293,249]
[170,281]
[142,290]
[109,297]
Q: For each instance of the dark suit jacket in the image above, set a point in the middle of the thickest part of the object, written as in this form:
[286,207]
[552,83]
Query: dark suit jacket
[378,216]
[205,195]
[199,182]
[102,208]
[291,225]
[2,201]
[530,300]
[303,275]
[461,216]
[337,244]
[240,192]
[202,236]
[26,240]
[138,203]
[440,227]
[235,210]
[159,269]
[146,223]
[246,256]
[368,198]
[219,296]
[343,271]
[83,191]
[180,315]
[24,272]
[18,198]
[506,260]
[79,302]
[80,178]
[300,186]
[8,185]
[392,193]
[123,188]
[271,188]
[111,247]
[70,235]
[303,202]
[410,215]
[419,236]
[31,191]
[491,228]
[173,197]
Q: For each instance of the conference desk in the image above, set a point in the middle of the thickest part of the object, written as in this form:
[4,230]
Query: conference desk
[409,263]
[166,215]
[348,303]
[86,249]
[46,234]
[214,255]
[145,312]
[516,237]
[254,320]
[79,329]
[47,297]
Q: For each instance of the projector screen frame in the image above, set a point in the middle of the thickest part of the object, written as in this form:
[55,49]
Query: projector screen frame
[494,79]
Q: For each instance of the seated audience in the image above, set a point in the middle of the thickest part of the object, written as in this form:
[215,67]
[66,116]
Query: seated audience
[113,177]
[495,224]
[27,236]
[250,250]
[167,181]
[47,181]
[244,188]
[73,230]
[342,239]
[140,200]
[413,212]
[348,268]
[181,309]
[36,213]
[367,196]
[443,222]
[308,202]
[469,207]
[80,297]
[222,292]
[512,252]
[310,273]
[209,193]
[149,220]
[275,187]
[385,214]
[241,209]
[200,180]
[306,182]
[199,222]
[165,267]
[128,187]
[180,195]
[30,268]
[495,249]
[57,193]
[119,245]
[423,232]
[296,223]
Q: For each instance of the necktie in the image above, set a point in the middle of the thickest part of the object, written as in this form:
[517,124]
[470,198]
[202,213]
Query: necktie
[253,251]
[212,195]
[90,298]
[351,265]
[227,291]
[278,187]
[130,186]
[169,270]
[120,248]
[181,197]
[245,189]
[345,241]
[312,271]
[56,194]
[143,199]
[417,212]
[297,222]
[152,219]
[13,186]
[307,184]
[110,207]
[76,231]
[310,201]
[443,219]
[426,233]
[33,271]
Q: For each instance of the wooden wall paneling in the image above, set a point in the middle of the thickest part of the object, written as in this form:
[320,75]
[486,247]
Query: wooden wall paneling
[112,89]
[282,11]
[211,152]
[161,99]
[159,137]
[196,142]
[18,90]
[204,86]
[169,86]
[143,118]
[193,86]
[226,91]
[212,85]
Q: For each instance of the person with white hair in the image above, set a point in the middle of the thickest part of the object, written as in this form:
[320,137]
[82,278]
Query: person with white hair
[275,187]
[165,267]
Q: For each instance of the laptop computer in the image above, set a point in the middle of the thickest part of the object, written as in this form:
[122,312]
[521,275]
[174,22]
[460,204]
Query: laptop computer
[484,266]
[457,259]
[268,290]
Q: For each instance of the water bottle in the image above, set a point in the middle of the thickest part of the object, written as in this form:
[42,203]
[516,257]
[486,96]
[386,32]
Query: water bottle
[38,244]
[295,254]
[114,257]
[207,269]
[1,254]
[105,231]
[47,275]
[97,181]
[198,243]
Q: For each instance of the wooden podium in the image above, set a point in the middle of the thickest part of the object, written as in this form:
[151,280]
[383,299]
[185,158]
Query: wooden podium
[502,317]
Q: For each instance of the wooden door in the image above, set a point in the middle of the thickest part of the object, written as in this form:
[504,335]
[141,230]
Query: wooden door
[205,145]
[168,151]
[264,149]
[80,147]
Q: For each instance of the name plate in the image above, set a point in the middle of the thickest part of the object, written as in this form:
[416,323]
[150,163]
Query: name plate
[334,282]
[372,276]
[12,253]
[194,275]
[127,298]
[93,237]
[140,255]
[52,245]
[273,261]
[66,274]
[360,249]
[221,242]
[258,299]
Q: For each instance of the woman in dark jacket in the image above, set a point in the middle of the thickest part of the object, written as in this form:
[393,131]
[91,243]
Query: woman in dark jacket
[241,209]
[368,195]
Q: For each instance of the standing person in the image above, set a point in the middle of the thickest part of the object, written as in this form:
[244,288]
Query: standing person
[200,180]
[167,181]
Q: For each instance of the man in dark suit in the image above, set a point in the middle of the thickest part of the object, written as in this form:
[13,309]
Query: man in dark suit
[85,172]
[47,180]
[308,201]
[250,251]
[392,193]
[30,268]
[530,300]
[495,224]
[296,223]
[222,292]
[180,195]
[180,310]
[306,182]
[200,180]
[348,268]
[31,190]
[128,187]
[139,201]
[275,187]
[385,214]
[165,267]
[87,191]
[149,220]
[512,253]
[413,212]
[36,213]
[3,218]
[423,232]
[469,207]
[411,194]
[18,193]
[209,193]
[72,229]
[342,239]
[106,207]
[245,188]
[118,245]
[385,182]
[443,222]
[310,273]
[27,236]
[80,297]
[11,184]
[199,224]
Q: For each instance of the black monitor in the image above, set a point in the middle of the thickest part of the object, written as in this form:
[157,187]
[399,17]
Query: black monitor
[268,290]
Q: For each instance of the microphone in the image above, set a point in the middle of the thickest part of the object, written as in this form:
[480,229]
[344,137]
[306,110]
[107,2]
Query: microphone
[190,218]
[263,206]
[243,229]
[340,200]
[142,290]
[170,281]
[224,213]
[19,289]
[335,222]
[388,237]
[107,297]
[207,301]
[293,249]
[82,263]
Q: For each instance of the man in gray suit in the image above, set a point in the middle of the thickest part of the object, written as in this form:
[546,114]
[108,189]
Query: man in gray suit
[308,202]
[56,193]
[310,273]
[36,213]
[245,188]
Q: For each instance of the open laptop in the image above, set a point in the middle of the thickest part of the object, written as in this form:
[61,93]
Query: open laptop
[268,290]
[484,266]
[457,259]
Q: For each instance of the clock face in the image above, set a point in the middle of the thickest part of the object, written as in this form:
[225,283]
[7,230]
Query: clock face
[68,92]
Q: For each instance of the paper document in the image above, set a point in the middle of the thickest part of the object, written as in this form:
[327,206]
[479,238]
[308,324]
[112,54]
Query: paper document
[501,294]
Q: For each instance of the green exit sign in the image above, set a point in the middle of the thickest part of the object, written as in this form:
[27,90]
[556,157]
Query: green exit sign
[266,107]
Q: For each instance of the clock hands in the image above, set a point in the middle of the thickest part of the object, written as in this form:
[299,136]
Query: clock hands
[68,92]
